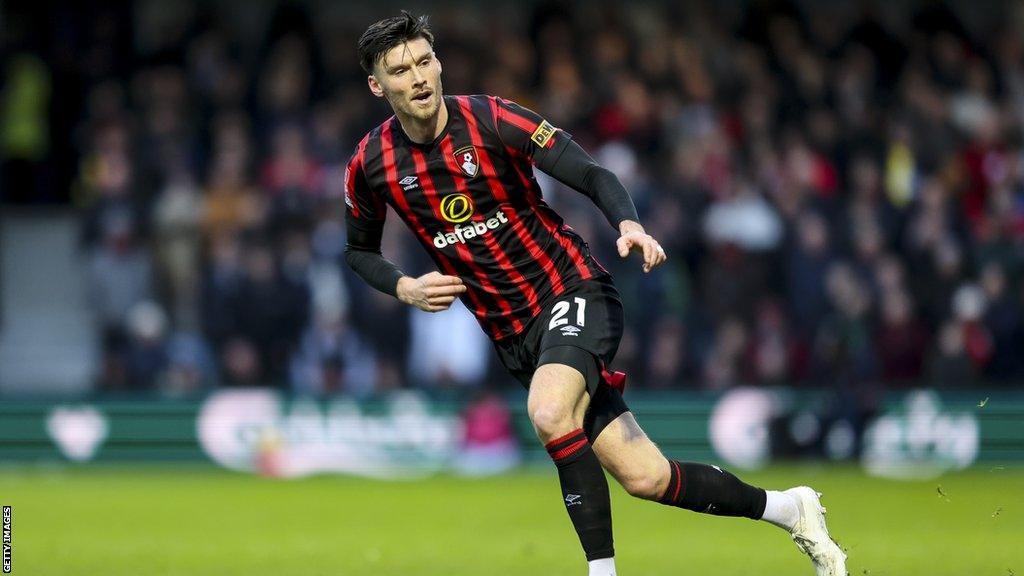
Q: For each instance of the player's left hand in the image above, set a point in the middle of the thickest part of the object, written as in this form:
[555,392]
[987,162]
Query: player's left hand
[635,239]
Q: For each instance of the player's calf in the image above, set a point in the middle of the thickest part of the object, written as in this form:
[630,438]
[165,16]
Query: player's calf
[711,490]
[645,487]
[637,463]
[646,482]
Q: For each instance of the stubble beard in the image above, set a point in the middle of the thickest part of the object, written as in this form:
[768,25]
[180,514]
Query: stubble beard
[411,109]
[427,113]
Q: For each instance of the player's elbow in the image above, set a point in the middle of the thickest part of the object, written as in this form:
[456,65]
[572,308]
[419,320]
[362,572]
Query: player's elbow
[354,255]
[351,256]
[600,178]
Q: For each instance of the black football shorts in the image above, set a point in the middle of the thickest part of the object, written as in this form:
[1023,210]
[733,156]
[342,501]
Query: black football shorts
[581,328]
[587,317]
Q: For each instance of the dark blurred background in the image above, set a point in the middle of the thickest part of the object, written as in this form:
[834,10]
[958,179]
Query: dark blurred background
[840,188]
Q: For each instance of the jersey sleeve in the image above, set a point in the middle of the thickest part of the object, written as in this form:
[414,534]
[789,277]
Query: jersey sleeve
[528,133]
[362,205]
[553,151]
[365,212]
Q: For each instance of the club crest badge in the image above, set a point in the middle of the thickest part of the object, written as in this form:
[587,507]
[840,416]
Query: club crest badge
[468,161]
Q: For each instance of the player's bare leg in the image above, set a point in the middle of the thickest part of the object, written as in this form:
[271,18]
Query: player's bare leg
[626,452]
[556,405]
[636,462]
[557,401]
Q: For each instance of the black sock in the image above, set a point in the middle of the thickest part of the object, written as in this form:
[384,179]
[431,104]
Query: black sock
[584,492]
[711,490]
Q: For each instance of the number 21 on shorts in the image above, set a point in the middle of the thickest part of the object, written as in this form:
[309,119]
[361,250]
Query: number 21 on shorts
[561,309]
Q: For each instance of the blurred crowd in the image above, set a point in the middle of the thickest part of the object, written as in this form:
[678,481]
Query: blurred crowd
[840,191]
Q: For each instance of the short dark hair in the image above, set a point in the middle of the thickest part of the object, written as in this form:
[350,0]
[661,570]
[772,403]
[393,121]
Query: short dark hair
[388,33]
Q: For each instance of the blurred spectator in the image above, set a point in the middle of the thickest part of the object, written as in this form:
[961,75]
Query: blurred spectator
[231,204]
[808,257]
[270,312]
[968,309]
[448,349]
[732,279]
[191,366]
[489,444]
[332,358]
[950,366]
[106,182]
[772,354]
[176,234]
[722,368]
[843,352]
[1003,320]
[667,363]
[25,142]
[292,178]
[147,351]
[900,341]
[242,364]
[120,277]
[222,287]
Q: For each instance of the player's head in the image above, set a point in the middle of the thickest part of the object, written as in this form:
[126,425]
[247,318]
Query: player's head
[398,55]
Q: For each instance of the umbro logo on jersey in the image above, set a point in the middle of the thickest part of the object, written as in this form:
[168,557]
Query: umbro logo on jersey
[570,331]
[409,182]
[573,500]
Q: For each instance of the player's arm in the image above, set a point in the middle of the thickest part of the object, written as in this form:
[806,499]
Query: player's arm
[364,218]
[553,151]
[578,170]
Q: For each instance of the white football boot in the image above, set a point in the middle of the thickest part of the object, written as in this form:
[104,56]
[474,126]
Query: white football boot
[811,535]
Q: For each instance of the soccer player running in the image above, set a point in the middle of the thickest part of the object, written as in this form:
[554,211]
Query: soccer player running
[459,171]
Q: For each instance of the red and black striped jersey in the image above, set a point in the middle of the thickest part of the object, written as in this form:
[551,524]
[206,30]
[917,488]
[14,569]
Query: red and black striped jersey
[472,201]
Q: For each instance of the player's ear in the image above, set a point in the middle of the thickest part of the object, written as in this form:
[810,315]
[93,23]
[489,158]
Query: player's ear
[375,87]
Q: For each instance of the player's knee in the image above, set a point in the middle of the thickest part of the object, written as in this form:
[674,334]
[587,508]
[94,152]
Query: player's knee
[647,482]
[551,421]
[646,486]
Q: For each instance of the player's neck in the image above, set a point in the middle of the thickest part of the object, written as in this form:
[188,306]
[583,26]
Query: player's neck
[425,131]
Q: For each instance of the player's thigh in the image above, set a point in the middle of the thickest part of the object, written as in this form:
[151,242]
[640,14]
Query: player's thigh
[557,397]
[631,457]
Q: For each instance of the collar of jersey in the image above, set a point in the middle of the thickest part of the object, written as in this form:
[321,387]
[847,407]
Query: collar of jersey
[397,127]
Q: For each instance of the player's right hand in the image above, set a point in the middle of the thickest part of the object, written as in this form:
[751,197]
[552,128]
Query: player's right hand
[432,292]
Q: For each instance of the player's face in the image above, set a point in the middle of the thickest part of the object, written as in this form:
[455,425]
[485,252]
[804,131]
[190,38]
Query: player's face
[409,76]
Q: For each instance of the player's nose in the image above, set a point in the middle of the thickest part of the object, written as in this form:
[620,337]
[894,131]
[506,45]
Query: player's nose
[417,77]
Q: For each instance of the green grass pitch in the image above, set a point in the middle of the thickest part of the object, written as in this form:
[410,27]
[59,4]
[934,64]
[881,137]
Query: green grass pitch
[196,520]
